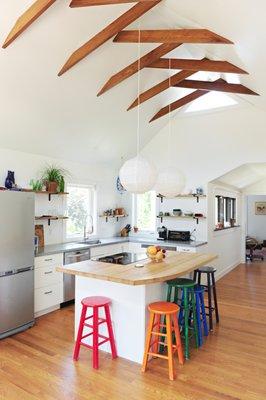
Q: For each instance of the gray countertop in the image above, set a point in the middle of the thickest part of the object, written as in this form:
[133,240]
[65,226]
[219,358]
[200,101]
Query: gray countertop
[73,246]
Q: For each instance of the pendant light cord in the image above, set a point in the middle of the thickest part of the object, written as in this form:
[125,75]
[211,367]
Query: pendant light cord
[169,112]
[138,111]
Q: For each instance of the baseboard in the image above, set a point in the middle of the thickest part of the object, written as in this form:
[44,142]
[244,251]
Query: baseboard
[220,274]
[46,311]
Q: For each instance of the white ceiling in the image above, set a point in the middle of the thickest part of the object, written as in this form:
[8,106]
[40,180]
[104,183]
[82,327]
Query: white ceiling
[62,117]
[244,176]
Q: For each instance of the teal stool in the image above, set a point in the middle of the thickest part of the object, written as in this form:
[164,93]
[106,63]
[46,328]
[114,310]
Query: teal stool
[187,304]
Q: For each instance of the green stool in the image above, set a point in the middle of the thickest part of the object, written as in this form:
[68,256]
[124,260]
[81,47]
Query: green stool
[187,304]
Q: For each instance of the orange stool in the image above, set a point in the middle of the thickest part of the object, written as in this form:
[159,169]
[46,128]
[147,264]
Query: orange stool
[169,310]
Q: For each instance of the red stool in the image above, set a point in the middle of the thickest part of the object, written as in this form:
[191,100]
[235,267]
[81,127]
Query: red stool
[95,302]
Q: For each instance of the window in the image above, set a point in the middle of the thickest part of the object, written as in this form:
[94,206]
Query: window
[144,211]
[80,205]
[225,211]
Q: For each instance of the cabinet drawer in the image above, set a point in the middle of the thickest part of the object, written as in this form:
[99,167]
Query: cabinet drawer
[47,297]
[105,250]
[47,276]
[46,261]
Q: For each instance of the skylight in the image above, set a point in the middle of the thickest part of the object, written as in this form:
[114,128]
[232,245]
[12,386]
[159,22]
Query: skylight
[211,101]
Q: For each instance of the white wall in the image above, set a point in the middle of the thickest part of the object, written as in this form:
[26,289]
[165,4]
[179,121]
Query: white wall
[225,243]
[256,224]
[27,166]
[204,147]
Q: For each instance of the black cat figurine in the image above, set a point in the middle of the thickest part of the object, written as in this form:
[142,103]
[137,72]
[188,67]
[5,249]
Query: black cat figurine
[10,180]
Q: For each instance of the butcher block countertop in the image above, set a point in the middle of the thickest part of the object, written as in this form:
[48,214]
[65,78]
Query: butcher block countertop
[173,266]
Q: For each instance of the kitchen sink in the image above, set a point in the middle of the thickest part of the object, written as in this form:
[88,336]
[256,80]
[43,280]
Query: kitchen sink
[90,241]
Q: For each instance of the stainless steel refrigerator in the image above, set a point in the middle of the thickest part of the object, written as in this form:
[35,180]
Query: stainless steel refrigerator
[16,262]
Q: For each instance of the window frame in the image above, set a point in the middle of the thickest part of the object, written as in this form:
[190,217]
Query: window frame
[225,209]
[135,216]
[92,209]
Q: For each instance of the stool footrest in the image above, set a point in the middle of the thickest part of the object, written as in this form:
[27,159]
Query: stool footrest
[157,355]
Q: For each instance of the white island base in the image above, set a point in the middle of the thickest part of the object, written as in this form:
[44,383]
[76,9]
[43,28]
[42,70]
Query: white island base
[128,312]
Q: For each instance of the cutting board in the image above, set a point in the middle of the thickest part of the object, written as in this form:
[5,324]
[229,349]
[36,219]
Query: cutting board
[40,233]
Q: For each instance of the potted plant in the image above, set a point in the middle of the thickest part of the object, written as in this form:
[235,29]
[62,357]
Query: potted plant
[53,178]
[36,185]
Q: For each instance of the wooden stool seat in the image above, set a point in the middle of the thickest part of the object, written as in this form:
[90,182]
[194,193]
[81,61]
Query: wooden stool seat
[210,288]
[163,308]
[206,269]
[95,301]
[169,311]
[181,283]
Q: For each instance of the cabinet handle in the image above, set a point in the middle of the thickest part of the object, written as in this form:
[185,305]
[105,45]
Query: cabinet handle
[48,292]
[48,259]
[48,272]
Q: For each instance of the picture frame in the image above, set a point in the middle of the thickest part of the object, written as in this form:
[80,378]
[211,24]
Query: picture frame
[260,208]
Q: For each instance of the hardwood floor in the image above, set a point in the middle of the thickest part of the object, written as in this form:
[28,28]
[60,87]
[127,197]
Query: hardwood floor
[37,364]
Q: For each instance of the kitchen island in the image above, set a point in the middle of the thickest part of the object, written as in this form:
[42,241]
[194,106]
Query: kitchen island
[131,290]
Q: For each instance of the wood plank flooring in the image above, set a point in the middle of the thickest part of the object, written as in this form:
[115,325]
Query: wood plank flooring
[37,364]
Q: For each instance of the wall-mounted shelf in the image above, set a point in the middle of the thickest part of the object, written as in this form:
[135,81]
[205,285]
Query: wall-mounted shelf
[113,216]
[185,196]
[50,218]
[49,194]
[182,217]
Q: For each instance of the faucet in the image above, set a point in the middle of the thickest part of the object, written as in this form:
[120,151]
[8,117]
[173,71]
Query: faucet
[86,233]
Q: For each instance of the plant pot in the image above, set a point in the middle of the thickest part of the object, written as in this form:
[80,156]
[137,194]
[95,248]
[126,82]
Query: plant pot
[51,186]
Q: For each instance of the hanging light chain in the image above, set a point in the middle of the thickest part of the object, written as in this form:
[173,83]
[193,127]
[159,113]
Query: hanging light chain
[138,110]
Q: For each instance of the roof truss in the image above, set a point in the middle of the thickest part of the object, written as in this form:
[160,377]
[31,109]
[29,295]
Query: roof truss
[131,69]
[197,65]
[26,19]
[107,33]
[89,3]
[170,36]
[219,85]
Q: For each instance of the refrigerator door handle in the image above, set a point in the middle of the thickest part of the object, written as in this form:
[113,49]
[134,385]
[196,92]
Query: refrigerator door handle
[15,271]
[21,270]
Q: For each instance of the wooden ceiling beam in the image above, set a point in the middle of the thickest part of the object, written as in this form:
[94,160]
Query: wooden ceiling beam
[198,65]
[170,36]
[160,87]
[220,86]
[179,103]
[89,3]
[26,19]
[107,33]
[133,68]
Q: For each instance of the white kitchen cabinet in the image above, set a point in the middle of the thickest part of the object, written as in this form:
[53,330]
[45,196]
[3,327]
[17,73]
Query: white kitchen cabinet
[48,284]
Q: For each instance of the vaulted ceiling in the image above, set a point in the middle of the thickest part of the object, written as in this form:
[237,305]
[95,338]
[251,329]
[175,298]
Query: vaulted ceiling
[63,117]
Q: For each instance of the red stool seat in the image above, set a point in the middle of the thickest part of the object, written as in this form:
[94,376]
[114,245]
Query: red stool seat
[95,302]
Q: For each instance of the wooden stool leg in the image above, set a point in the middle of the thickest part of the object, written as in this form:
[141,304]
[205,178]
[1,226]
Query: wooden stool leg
[186,317]
[209,302]
[110,331]
[198,316]
[148,342]
[178,340]
[215,298]
[170,348]
[195,319]
[95,339]
[156,346]
[199,278]
[80,332]
[203,313]
[168,298]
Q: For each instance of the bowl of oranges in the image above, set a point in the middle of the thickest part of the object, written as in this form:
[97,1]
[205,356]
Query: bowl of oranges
[156,253]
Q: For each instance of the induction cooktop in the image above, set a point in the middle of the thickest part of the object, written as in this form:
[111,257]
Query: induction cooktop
[122,258]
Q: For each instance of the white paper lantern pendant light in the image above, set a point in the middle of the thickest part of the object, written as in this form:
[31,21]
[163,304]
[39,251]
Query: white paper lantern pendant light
[138,175]
[170,181]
